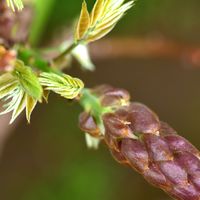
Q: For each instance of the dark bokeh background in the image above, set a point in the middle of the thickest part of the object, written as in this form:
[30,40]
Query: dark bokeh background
[48,160]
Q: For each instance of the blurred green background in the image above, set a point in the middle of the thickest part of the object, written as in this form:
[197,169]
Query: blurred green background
[48,160]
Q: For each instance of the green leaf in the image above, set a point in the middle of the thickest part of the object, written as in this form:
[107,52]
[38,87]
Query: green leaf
[62,84]
[7,84]
[30,105]
[19,106]
[8,90]
[97,11]
[100,34]
[10,106]
[15,96]
[6,80]
[28,80]
[83,23]
[104,17]
[15,4]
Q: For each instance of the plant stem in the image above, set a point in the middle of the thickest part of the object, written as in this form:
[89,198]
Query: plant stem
[91,104]
[66,52]
[31,58]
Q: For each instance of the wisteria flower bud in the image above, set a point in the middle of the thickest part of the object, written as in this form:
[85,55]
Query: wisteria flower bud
[88,124]
[110,96]
[137,138]
[142,119]
[116,127]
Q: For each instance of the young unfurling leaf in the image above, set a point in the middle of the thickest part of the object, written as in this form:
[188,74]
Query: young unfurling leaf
[18,105]
[15,97]
[19,90]
[28,80]
[84,21]
[103,18]
[30,105]
[65,85]
[13,4]
[97,11]
[7,84]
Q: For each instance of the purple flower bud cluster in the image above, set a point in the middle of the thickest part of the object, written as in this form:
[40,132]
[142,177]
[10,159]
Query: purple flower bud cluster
[137,138]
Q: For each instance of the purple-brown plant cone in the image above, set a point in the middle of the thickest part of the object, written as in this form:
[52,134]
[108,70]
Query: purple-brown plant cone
[137,138]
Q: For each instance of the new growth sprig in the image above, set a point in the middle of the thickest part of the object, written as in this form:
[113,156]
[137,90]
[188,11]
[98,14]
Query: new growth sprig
[20,89]
[32,77]
[103,18]
[97,24]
